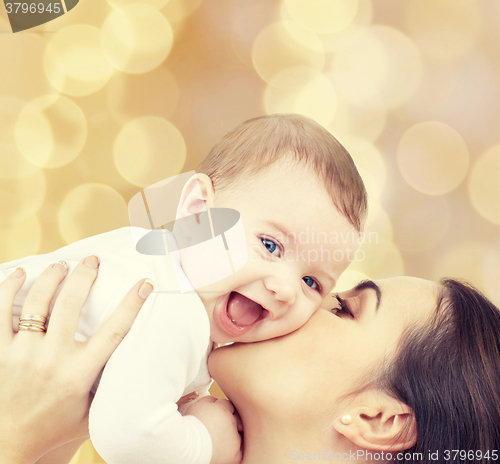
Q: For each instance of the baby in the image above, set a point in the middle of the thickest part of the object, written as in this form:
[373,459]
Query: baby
[293,186]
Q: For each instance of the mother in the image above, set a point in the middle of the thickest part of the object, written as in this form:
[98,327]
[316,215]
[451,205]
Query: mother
[402,370]
[399,370]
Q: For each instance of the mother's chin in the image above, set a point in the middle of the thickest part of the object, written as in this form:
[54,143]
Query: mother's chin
[226,365]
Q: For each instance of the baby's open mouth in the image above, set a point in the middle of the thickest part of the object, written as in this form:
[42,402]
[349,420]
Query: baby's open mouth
[242,313]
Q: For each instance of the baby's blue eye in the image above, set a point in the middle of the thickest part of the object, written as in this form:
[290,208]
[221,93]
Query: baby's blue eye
[310,282]
[271,246]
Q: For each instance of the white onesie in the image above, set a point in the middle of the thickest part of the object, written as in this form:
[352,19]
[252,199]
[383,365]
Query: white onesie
[134,417]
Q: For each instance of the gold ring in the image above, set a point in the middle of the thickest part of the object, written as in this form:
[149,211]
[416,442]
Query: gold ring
[31,327]
[32,323]
[32,318]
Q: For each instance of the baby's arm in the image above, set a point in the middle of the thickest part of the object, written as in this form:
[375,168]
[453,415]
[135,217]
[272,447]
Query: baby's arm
[120,268]
[221,420]
[134,417]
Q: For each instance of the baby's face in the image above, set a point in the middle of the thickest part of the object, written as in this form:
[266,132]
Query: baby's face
[298,246]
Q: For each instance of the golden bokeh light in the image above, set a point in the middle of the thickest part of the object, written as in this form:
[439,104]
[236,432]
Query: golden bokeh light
[379,258]
[219,99]
[11,206]
[149,149]
[350,279]
[21,58]
[363,18]
[317,99]
[420,222]
[99,165]
[118,95]
[20,239]
[484,185]
[322,16]
[370,164]
[22,197]
[136,38]
[352,121]
[34,135]
[443,30]
[302,90]
[386,61]
[12,163]
[355,92]
[378,224]
[285,44]
[247,20]
[491,271]
[464,94]
[131,95]
[51,131]
[74,61]
[433,158]
[156,4]
[31,190]
[469,260]
[177,11]
[91,209]
[303,36]
[91,13]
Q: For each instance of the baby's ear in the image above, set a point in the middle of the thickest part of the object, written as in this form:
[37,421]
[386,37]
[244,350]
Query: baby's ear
[196,195]
[191,225]
[376,421]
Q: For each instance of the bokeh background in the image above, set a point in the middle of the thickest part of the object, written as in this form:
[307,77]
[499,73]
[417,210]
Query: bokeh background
[117,95]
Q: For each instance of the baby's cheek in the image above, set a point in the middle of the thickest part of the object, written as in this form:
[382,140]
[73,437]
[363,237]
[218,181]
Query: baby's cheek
[303,316]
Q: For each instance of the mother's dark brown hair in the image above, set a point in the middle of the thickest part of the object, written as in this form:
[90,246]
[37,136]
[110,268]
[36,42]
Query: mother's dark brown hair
[449,374]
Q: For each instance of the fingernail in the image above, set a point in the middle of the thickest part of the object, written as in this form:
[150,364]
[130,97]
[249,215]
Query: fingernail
[19,272]
[91,261]
[146,288]
[61,265]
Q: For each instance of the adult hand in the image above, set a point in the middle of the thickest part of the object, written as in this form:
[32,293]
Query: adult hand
[47,376]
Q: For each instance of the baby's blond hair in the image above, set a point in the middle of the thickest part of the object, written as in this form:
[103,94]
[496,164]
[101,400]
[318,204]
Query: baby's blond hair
[259,142]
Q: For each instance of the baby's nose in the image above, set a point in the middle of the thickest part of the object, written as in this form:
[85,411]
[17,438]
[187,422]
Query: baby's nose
[282,289]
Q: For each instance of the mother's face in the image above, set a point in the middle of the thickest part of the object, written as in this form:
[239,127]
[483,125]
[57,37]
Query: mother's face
[308,371]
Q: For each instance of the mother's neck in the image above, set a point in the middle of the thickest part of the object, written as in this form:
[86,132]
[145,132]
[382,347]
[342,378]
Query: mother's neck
[274,441]
[269,443]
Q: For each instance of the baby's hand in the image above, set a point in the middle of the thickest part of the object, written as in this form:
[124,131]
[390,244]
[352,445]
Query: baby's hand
[219,418]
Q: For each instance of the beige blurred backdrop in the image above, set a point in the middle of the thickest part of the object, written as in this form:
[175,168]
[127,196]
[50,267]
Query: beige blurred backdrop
[117,95]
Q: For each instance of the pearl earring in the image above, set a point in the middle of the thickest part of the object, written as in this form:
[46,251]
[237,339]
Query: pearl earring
[347,419]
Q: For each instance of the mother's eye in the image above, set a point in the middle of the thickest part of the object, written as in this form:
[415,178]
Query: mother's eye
[343,308]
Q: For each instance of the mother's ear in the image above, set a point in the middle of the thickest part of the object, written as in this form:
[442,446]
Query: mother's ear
[378,422]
